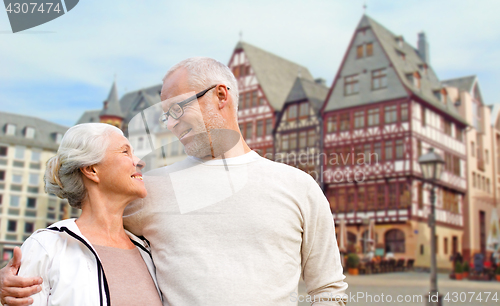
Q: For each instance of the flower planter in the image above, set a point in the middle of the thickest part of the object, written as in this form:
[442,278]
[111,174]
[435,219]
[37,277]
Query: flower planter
[459,276]
[465,274]
[498,277]
[353,271]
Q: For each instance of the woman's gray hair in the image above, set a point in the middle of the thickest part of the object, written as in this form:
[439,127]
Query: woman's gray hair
[204,72]
[83,145]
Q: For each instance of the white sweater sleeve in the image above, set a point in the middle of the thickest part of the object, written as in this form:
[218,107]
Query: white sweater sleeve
[321,266]
[36,262]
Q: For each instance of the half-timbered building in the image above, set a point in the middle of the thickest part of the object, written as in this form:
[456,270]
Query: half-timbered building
[385,108]
[299,130]
[264,82]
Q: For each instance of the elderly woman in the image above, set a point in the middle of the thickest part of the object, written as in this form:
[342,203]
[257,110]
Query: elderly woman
[92,260]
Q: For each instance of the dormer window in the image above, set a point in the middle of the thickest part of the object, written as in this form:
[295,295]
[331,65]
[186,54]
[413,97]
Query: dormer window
[10,129]
[400,41]
[441,95]
[414,78]
[57,137]
[29,132]
[402,55]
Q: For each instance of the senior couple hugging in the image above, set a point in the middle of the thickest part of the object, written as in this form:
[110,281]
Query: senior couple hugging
[222,227]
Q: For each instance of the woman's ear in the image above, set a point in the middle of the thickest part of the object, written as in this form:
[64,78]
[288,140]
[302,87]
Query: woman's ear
[222,95]
[90,172]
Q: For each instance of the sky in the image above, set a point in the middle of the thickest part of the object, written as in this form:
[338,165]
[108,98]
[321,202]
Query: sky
[59,69]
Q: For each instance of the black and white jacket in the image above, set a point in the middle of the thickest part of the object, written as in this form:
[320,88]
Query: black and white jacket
[70,266]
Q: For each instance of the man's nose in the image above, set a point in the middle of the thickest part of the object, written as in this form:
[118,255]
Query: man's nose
[172,123]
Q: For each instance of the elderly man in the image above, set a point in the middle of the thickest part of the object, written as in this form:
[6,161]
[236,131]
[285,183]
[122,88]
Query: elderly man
[226,226]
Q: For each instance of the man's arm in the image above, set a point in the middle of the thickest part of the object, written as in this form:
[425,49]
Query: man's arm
[16,290]
[321,267]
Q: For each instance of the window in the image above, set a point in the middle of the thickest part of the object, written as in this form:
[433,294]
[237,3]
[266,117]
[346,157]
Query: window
[2,175]
[445,246]
[395,241]
[473,149]
[391,114]
[350,200]
[36,156]
[392,196]
[174,148]
[302,139]
[19,152]
[248,99]
[17,178]
[359,119]
[361,199]
[422,115]
[419,148]
[284,142]
[399,149]
[241,102]
[31,203]
[420,195]
[404,112]
[359,51]
[331,124]
[58,137]
[341,200]
[474,180]
[373,116]
[456,166]
[260,128]
[379,79]
[269,126]
[369,49]
[3,151]
[304,110]
[34,179]
[377,150]
[10,129]
[249,130]
[255,98]
[11,226]
[404,196]
[351,85]
[447,127]
[292,112]
[29,132]
[486,156]
[28,227]
[293,141]
[311,138]
[367,150]
[380,197]
[345,121]
[388,150]
[370,204]
[459,133]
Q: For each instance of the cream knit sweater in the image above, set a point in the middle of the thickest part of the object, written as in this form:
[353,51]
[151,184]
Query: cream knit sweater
[238,231]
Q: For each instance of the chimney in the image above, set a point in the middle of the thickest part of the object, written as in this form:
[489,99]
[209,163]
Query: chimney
[423,47]
[105,104]
[320,81]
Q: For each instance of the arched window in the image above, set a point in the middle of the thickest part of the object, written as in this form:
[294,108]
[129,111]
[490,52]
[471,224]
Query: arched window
[352,239]
[395,241]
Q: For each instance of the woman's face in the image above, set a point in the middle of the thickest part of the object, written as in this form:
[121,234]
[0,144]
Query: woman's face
[120,170]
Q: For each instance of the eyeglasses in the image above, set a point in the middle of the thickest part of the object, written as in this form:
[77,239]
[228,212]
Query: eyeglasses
[177,110]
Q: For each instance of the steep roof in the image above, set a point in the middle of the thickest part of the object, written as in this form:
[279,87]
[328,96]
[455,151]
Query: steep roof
[90,116]
[45,131]
[394,47]
[112,104]
[275,74]
[462,83]
[304,89]
[495,111]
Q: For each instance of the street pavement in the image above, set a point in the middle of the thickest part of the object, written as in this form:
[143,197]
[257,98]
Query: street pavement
[414,287]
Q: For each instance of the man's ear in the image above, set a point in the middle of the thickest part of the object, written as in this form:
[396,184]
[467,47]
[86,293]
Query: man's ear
[223,95]
[90,172]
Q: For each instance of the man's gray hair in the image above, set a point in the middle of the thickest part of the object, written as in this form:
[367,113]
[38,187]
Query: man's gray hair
[82,145]
[204,72]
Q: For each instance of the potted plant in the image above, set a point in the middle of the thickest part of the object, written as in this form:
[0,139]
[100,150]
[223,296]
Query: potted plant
[466,269]
[497,272]
[459,269]
[352,264]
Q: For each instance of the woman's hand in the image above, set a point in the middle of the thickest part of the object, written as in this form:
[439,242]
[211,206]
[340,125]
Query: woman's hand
[16,290]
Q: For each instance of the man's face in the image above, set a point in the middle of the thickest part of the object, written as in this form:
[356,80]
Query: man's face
[198,118]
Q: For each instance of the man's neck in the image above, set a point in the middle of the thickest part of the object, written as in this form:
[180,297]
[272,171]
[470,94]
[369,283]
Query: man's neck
[241,148]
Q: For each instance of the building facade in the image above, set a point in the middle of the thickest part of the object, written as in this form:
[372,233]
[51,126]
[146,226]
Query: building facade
[26,143]
[386,107]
